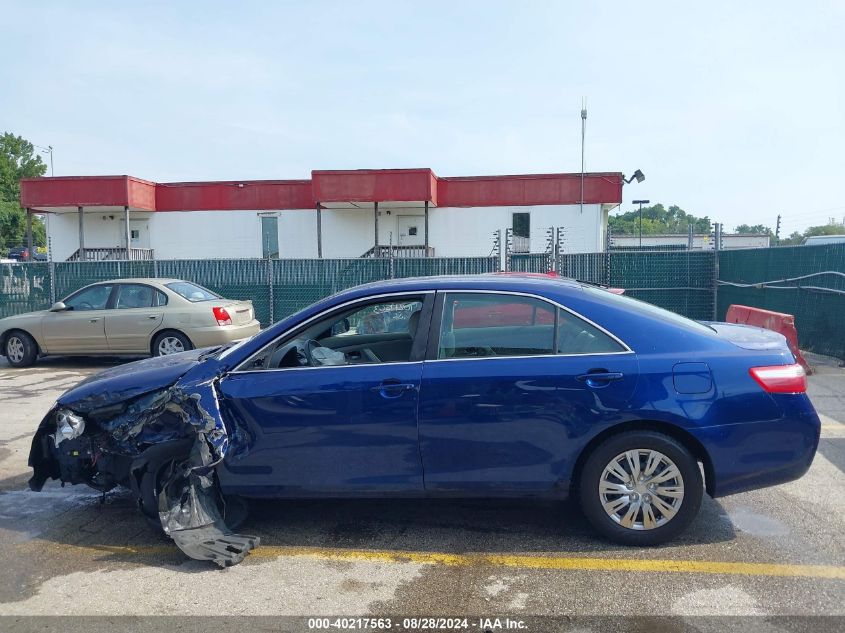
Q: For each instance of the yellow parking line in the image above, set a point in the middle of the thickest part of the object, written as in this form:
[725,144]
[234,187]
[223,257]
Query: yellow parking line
[521,561]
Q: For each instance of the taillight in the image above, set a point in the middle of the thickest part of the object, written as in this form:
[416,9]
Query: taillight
[780,378]
[222,316]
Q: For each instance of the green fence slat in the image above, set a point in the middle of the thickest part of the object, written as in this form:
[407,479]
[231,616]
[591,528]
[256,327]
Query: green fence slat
[805,281]
[680,281]
[24,287]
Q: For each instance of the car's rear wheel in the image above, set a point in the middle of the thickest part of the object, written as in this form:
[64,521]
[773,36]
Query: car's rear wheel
[640,488]
[171,342]
[21,349]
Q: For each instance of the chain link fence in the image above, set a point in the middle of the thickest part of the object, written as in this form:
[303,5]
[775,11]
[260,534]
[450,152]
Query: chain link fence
[25,287]
[805,281]
[680,281]
[276,287]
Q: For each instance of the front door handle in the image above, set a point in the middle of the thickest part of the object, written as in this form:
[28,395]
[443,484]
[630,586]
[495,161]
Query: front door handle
[93,320]
[153,316]
[600,378]
[390,389]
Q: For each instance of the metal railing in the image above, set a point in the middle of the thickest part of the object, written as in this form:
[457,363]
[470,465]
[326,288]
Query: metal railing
[112,253]
[399,251]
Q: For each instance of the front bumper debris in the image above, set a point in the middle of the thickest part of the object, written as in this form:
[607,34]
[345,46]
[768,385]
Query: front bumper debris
[164,445]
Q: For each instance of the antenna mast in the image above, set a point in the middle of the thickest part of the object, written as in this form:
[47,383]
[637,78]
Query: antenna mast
[583,135]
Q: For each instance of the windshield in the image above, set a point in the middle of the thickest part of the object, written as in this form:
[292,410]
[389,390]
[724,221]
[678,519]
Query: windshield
[192,292]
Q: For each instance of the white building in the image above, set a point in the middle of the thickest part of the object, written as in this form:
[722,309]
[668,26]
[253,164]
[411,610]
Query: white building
[335,214]
[699,241]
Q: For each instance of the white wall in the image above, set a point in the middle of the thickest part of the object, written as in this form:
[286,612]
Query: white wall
[453,232]
[103,229]
[456,232]
[205,234]
[349,232]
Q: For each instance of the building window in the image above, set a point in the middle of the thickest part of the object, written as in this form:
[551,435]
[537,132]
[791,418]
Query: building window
[521,232]
[270,237]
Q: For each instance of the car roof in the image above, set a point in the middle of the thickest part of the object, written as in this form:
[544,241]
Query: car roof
[514,282]
[139,280]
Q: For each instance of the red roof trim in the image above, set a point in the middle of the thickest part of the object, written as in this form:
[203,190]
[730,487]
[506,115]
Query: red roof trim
[363,185]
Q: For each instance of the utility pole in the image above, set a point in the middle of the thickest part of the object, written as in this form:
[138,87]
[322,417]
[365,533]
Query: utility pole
[777,231]
[583,135]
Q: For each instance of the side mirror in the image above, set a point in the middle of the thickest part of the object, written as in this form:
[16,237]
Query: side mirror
[59,306]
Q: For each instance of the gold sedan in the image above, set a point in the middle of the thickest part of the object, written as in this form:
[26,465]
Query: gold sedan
[127,317]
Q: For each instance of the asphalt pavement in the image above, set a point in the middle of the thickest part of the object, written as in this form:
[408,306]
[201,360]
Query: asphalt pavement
[69,551]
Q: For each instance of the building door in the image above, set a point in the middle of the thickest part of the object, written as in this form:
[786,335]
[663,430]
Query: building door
[269,237]
[411,230]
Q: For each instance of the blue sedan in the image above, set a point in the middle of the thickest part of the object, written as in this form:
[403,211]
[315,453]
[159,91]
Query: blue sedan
[476,386]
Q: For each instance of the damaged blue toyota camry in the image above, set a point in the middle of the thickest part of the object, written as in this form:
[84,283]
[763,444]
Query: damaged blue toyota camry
[475,386]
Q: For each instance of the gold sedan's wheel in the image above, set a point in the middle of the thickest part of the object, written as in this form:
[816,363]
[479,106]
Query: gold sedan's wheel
[20,349]
[170,345]
[14,349]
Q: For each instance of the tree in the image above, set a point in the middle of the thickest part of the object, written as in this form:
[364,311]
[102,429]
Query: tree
[17,160]
[658,219]
[757,229]
[832,228]
[794,238]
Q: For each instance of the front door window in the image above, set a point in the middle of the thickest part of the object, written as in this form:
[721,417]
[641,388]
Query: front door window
[376,332]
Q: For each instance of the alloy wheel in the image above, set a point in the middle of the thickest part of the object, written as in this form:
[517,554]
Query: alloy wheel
[14,349]
[170,345]
[641,489]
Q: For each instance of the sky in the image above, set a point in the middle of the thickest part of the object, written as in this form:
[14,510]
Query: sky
[735,110]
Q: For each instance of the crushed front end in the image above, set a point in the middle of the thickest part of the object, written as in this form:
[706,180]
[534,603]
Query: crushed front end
[163,445]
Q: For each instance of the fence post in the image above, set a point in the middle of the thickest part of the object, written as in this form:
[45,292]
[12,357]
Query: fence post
[550,249]
[496,251]
[155,267]
[51,267]
[508,248]
[717,246]
[270,288]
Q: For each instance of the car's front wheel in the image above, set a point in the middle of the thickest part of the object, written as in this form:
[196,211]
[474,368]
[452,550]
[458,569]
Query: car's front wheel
[640,488]
[21,350]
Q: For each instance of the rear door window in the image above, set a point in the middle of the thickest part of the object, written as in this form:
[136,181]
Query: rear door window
[134,296]
[477,325]
[576,336]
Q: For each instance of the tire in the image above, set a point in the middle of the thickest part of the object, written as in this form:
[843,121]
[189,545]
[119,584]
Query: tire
[20,349]
[170,340]
[637,513]
[234,510]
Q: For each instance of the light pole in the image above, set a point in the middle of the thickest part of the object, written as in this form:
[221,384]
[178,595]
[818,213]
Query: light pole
[641,203]
[48,150]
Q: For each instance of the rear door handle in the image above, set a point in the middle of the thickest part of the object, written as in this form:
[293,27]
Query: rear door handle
[391,390]
[93,320]
[600,378]
[153,316]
